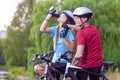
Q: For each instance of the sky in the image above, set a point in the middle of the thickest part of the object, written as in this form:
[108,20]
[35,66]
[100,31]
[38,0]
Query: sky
[7,10]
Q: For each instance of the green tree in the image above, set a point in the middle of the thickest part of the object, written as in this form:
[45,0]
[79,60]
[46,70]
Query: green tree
[16,44]
[1,50]
[1,46]
[39,40]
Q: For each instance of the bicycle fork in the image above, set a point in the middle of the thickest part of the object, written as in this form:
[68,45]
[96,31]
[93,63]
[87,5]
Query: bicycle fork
[69,72]
[47,74]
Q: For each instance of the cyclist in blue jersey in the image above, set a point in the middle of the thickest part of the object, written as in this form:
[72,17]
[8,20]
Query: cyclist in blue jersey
[63,39]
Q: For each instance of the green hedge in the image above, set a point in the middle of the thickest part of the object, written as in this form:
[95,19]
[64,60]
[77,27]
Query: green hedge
[21,71]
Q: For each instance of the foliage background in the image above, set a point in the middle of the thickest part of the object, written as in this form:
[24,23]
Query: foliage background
[21,44]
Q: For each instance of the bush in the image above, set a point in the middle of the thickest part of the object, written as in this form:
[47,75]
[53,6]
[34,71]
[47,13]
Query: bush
[19,71]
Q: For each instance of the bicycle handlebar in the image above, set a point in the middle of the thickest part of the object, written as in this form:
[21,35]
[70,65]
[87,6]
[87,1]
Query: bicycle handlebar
[41,56]
[44,54]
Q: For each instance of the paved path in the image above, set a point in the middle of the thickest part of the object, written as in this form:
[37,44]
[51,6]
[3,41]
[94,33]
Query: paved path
[3,72]
[3,75]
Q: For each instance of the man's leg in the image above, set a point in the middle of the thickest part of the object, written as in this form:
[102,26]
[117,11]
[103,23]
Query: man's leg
[81,75]
[96,71]
[60,69]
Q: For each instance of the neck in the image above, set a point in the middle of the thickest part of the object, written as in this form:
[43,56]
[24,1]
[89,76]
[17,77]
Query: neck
[86,24]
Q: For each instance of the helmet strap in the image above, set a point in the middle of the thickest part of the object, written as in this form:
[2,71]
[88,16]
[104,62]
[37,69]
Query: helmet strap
[83,23]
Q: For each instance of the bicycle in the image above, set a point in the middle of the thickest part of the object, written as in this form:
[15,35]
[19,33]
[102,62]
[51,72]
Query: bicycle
[47,72]
[39,57]
[70,69]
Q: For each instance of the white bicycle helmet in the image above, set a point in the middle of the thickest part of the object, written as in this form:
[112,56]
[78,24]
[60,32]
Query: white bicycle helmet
[83,12]
[69,15]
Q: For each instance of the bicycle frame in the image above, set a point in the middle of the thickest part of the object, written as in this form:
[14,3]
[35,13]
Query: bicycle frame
[47,73]
[69,71]
[38,57]
[70,67]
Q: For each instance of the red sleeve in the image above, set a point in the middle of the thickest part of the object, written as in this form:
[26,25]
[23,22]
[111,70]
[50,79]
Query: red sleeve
[80,38]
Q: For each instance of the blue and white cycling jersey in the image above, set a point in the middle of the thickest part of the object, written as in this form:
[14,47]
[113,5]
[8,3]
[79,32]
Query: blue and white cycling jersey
[60,46]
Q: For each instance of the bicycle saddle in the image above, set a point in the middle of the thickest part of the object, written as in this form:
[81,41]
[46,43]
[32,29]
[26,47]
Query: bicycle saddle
[108,63]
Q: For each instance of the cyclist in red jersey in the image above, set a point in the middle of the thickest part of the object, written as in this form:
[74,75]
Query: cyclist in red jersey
[89,49]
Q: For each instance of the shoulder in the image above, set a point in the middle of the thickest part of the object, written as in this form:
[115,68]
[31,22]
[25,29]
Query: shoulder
[71,32]
[53,30]
[89,29]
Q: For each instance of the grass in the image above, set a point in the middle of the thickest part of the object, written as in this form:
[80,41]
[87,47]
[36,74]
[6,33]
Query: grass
[113,76]
[16,70]
[2,67]
[19,71]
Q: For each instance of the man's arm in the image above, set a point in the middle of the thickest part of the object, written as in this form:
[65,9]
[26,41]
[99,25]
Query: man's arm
[75,27]
[78,55]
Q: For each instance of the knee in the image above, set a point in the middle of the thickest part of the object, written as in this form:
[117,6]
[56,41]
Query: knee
[39,70]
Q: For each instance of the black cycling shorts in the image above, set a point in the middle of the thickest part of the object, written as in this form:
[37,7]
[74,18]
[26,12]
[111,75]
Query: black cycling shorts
[59,66]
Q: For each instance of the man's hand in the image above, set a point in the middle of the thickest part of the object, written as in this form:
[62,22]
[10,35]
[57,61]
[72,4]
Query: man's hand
[75,61]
